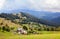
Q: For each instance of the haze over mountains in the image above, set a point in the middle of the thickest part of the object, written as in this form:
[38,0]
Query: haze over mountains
[50,18]
[43,9]
[46,15]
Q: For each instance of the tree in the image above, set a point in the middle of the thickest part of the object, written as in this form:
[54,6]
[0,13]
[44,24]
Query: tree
[39,29]
[52,29]
[0,28]
[3,28]
[47,29]
[12,28]
[25,28]
[1,24]
[6,28]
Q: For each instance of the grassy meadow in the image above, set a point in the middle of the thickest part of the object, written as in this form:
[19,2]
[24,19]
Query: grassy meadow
[43,35]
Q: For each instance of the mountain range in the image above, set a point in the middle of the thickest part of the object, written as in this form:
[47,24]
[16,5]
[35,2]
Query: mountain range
[53,17]
[45,17]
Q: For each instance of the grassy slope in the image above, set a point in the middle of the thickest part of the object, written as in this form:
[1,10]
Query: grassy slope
[9,35]
[8,22]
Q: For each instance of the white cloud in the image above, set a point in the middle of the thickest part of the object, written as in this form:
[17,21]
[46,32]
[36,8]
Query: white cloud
[46,5]
[2,3]
[15,4]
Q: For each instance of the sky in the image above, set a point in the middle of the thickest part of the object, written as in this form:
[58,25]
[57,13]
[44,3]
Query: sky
[37,5]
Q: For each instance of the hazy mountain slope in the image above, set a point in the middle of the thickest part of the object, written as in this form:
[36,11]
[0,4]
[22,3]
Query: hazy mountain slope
[17,18]
[23,17]
[56,20]
[49,16]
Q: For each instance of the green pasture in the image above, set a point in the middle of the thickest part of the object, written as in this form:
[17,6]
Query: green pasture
[43,35]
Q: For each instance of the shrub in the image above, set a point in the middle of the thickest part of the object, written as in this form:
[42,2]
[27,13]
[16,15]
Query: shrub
[47,29]
[25,28]
[3,28]
[12,28]
[6,28]
[30,31]
[0,28]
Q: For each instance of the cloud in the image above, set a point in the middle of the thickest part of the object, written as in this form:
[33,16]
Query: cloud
[52,5]
[39,5]
[2,3]
[46,5]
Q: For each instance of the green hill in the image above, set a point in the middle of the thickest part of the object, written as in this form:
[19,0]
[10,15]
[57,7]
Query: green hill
[31,23]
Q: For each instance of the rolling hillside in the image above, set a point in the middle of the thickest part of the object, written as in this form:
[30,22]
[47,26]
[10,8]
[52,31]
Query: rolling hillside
[4,22]
[23,17]
[27,21]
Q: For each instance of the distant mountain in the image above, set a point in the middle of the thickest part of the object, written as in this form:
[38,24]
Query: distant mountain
[49,16]
[56,20]
[19,16]
[41,16]
[24,17]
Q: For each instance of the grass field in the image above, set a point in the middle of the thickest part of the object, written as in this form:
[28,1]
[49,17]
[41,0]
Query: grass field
[50,35]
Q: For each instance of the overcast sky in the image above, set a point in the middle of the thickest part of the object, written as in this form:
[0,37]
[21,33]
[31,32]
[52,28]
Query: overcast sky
[38,5]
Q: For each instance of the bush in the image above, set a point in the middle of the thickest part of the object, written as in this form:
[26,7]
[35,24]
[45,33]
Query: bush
[1,24]
[47,29]
[52,29]
[30,31]
[25,28]
[6,28]
[12,28]
[3,28]
[0,28]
